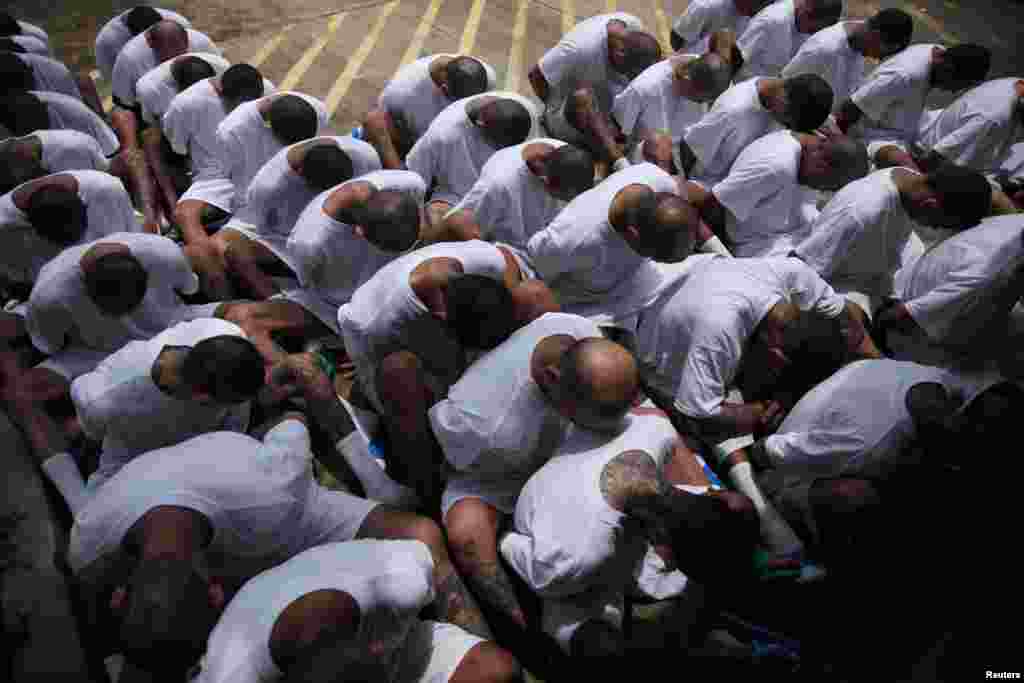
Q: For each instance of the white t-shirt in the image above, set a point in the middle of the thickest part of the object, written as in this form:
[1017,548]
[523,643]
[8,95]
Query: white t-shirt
[693,339]
[452,152]
[390,581]
[568,540]
[60,310]
[853,421]
[278,195]
[115,34]
[651,104]
[828,54]
[157,87]
[119,404]
[704,17]
[32,45]
[510,432]
[190,126]
[414,100]
[581,256]
[70,150]
[581,58]
[956,290]
[51,75]
[509,202]
[769,41]
[858,241]
[246,143]
[33,31]
[108,210]
[69,113]
[137,58]
[385,315]
[330,259]
[736,119]
[260,499]
[893,96]
[768,207]
[978,129]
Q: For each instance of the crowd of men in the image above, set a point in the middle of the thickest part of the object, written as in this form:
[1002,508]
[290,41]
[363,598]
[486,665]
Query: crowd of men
[676,328]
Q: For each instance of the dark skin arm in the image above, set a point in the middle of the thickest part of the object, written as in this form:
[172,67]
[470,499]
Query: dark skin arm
[712,213]
[539,83]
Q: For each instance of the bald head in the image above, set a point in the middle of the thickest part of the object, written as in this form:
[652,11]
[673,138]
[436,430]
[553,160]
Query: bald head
[598,381]
[830,164]
[640,50]
[168,39]
[706,77]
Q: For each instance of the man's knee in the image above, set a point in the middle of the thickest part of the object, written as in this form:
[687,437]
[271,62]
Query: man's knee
[472,527]
[488,662]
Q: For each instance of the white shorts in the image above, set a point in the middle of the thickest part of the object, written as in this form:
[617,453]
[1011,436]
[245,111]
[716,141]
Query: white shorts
[277,244]
[74,361]
[563,617]
[219,192]
[499,492]
[324,310]
[433,651]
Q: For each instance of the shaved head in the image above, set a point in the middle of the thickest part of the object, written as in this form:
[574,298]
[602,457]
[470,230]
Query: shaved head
[642,50]
[709,76]
[168,39]
[599,380]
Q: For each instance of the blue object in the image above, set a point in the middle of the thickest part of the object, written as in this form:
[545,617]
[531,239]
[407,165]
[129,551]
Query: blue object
[357,133]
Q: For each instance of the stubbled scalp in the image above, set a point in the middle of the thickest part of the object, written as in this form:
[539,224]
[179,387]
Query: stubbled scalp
[630,476]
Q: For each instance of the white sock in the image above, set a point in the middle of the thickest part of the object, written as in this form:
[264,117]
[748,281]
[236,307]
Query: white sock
[65,475]
[775,532]
[715,245]
[377,484]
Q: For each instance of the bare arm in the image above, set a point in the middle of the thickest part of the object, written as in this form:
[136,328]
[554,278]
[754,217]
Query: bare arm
[859,344]
[152,149]
[712,213]
[130,164]
[539,83]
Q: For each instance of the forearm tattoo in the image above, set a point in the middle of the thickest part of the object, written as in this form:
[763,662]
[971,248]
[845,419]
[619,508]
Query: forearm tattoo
[493,585]
[456,605]
[629,478]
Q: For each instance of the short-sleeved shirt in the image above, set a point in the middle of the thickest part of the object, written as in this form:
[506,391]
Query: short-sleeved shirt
[190,126]
[858,241]
[828,54]
[115,34]
[108,210]
[137,58]
[60,310]
[69,150]
[330,259]
[854,421]
[51,75]
[413,99]
[978,129]
[500,431]
[453,151]
[893,96]
[390,581]
[581,58]
[568,540]
[736,119]
[582,257]
[278,195]
[157,87]
[768,207]
[72,114]
[651,104]
[509,202]
[385,315]
[259,497]
[693,339]
[769,41]
[704,17]
[246,143]
[120,406]
[957,291]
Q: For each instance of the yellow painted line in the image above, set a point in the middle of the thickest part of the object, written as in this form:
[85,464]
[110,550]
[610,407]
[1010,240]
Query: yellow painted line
[300,67]
[610,5]
[515,55]
[568,15]
[108,103]
[472,24]
[269,47]
[421,33]
[341,86]
[662,20]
